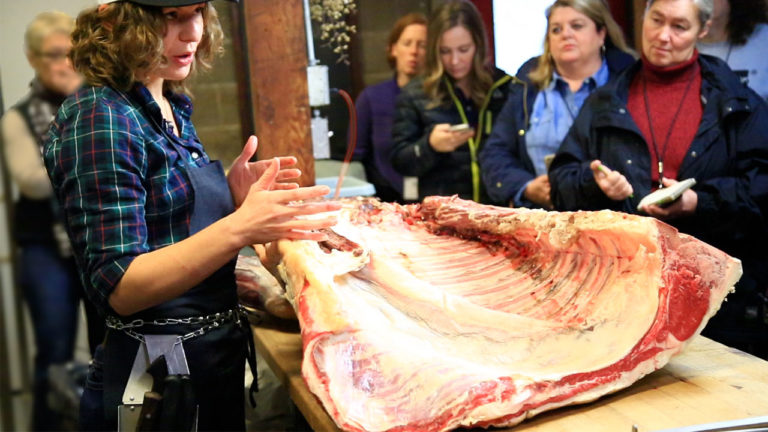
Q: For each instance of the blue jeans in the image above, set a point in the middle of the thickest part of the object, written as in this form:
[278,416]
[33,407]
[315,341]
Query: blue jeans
[92,402]
[52,290]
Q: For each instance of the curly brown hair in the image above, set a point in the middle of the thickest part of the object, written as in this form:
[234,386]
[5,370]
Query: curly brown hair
[114,45]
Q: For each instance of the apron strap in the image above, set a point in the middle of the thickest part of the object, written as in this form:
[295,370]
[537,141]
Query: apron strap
[251,356]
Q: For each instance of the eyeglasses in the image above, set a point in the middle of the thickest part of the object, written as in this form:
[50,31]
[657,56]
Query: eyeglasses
[54,56]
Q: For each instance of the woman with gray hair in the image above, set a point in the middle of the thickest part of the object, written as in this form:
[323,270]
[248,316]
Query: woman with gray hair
[47,273]
[583,48]
[679,115]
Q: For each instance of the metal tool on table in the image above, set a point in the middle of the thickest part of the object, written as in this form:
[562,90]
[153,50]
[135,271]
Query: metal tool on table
[754,424]
[158,395]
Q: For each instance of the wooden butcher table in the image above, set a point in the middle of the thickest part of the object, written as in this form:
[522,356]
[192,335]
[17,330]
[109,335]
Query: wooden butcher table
[708,382]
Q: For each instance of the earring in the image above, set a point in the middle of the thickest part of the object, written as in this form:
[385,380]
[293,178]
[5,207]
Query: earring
[602,50]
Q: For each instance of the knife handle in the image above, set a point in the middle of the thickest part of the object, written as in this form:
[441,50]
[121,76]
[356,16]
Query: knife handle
[150,410]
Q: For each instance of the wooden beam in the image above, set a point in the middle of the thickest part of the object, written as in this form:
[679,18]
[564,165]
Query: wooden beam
[277,65]
[240,52]
[638,7]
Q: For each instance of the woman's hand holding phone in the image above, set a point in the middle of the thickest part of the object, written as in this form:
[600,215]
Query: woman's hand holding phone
[444,138]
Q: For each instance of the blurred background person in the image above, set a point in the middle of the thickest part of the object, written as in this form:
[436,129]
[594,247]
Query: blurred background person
[406,48]
[48,277]
[676,115]
[583,48]
[739,34]
[459,87]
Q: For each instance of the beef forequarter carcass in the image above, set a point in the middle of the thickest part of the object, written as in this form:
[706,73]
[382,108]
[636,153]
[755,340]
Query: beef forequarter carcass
[449,313]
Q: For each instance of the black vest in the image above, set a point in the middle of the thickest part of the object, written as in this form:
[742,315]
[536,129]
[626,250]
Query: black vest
[33,219]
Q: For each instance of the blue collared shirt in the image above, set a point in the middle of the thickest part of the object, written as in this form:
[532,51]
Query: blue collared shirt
[553,113]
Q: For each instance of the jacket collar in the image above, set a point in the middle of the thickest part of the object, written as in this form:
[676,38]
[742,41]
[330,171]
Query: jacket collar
[723,87]
[719,86]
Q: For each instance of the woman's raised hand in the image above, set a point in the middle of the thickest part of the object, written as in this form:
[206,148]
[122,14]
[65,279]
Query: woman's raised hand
[269,213]
[242,173]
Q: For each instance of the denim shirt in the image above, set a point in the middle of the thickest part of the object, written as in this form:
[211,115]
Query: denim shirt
[553,113]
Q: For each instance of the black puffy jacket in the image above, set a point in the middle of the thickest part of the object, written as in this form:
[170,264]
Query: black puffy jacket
[441,173]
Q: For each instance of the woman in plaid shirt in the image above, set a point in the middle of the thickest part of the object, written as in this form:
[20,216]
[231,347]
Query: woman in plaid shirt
[155,225]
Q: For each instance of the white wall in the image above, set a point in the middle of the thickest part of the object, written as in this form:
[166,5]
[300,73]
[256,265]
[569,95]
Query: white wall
[15,72]
[519,27]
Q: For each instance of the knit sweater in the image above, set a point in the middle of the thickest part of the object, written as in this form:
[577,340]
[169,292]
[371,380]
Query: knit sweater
[670,120]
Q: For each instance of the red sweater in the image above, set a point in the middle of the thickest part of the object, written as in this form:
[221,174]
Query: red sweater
[665,89]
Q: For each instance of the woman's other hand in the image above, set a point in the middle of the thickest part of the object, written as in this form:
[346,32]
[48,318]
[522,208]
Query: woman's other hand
[242,174]
[683,206]
[443,140]
[538,190]
[269,213]
[613,184]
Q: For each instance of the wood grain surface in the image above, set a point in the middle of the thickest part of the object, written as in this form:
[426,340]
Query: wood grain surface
[708,382]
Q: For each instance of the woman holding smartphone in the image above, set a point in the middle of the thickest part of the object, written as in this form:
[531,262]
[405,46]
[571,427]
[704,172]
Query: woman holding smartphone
[442,120]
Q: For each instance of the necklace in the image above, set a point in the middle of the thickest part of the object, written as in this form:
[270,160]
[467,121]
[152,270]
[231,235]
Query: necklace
[660,156]
[166,110]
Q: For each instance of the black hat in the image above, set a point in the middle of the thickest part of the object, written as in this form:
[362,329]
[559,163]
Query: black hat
[161,3]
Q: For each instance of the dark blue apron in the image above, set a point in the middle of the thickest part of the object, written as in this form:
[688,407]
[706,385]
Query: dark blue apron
[215,359]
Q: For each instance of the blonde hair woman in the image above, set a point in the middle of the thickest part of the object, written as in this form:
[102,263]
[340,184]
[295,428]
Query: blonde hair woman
[459,88]
[583,48]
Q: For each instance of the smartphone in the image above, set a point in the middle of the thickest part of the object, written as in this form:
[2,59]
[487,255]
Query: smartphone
[459,127]
[666,196]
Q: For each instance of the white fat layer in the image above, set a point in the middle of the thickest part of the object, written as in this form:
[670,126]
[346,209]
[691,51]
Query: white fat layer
[408,351]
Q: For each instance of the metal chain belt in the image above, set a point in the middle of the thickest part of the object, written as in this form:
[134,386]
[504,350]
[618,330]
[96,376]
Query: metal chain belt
[208,322]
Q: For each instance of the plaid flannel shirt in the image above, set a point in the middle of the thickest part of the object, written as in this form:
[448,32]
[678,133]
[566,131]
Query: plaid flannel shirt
[122,186]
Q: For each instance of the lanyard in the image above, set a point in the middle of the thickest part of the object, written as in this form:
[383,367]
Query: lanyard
[660,156]
[474,142]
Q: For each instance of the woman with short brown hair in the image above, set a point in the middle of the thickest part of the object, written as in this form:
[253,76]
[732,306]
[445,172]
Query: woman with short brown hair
[375,105]
[739,35]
